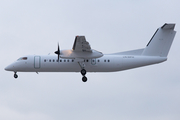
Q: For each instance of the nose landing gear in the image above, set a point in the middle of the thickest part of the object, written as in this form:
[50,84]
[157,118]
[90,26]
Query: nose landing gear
[15,75]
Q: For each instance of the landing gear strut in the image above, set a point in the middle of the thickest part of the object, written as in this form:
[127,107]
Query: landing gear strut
[15,75]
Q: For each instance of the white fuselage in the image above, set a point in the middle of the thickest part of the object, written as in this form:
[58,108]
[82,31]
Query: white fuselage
[81,58]
[107,63]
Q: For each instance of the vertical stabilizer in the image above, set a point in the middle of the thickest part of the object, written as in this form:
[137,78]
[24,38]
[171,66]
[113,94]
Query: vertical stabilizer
[161,41]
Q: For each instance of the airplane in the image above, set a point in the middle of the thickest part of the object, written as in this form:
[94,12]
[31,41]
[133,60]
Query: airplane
[81,58]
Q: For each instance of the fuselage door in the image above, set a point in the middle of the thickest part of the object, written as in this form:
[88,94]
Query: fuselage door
[37,63]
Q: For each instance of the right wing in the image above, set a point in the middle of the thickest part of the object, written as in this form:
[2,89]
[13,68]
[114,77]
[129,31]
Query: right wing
[81,45]
[81,50]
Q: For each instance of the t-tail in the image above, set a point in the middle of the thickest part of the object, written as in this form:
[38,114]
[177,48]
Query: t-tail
[161,41]
[155,52]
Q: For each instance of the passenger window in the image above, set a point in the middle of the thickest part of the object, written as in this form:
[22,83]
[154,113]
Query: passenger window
[53,60]
[45,60]
[98,61]
[49,60]
[108,60]
[60,60]
[67,60]
[104,60]
[64,60]
[72,60]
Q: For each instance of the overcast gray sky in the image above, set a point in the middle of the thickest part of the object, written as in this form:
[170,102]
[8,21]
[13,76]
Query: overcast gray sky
[36,26]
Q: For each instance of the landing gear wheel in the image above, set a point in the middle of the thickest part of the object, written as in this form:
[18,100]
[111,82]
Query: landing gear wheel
[84,78]
[15,75]
[83,72]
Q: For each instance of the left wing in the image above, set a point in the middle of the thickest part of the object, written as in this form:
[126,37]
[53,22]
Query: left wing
[81,50]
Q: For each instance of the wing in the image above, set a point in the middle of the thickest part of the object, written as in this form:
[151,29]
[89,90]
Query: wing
[81,50]
[81,45]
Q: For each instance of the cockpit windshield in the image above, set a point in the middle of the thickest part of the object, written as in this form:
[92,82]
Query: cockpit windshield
[22,58]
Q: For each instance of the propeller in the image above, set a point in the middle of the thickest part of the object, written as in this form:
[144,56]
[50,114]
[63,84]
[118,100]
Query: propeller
[58,52]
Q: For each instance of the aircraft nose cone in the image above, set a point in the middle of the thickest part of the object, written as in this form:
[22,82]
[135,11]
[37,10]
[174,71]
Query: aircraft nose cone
[9,68]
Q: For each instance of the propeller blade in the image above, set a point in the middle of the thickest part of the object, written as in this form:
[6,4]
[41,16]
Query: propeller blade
[57,52]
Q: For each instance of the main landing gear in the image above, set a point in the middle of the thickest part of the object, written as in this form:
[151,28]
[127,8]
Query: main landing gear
[15,75]
[83,72]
